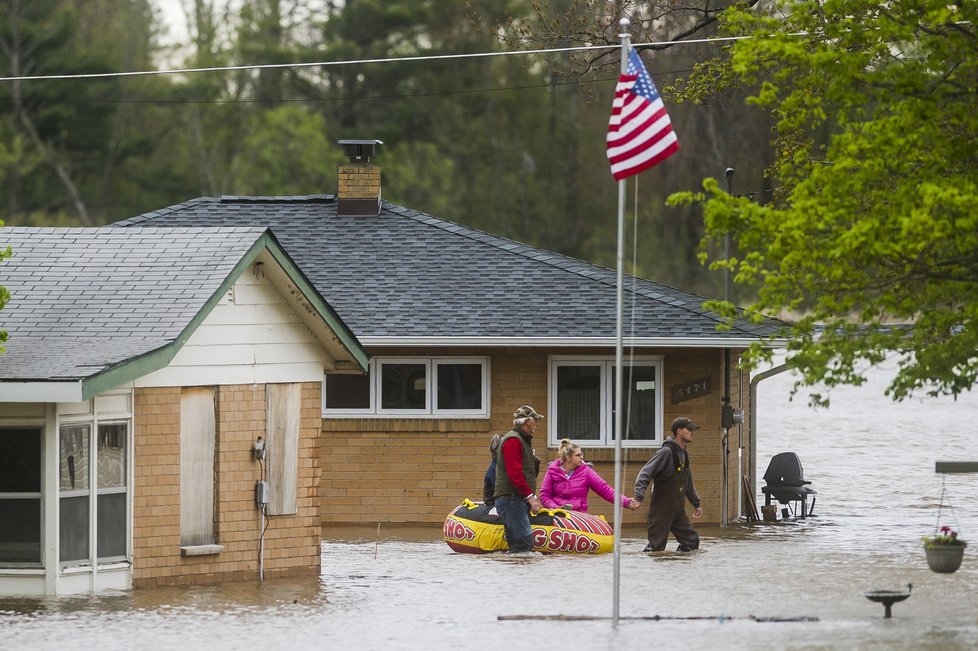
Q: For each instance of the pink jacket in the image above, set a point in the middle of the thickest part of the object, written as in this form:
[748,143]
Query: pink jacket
[558,490]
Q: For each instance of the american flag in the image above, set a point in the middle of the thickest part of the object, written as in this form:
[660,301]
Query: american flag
[640,133]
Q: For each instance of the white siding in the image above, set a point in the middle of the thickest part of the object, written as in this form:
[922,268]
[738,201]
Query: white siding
[254,336]
[18,412]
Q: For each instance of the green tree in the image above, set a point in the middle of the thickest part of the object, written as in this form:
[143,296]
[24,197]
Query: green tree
[287,150]
[716,130]
[4,292]
[512,144]
[74,141]
[873,233]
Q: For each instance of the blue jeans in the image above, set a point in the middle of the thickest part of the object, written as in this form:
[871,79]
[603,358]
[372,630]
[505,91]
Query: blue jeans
[515,514]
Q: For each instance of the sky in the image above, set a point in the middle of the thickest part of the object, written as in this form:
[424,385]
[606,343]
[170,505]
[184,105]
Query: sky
[173,18]
[174,27]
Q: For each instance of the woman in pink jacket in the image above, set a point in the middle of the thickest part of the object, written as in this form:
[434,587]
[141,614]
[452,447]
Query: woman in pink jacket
[569,479]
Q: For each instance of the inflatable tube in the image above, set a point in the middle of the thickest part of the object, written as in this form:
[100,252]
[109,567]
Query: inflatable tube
[474,528]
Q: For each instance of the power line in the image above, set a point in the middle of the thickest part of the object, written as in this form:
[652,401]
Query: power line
[429,57]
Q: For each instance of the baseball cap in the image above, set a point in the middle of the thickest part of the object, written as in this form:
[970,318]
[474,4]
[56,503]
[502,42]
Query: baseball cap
[682,421]
[526,411]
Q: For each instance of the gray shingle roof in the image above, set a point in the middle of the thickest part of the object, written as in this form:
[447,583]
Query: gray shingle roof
[86,299]
[406,274]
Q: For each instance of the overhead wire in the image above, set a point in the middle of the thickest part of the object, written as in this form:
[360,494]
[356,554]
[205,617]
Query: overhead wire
[427,57]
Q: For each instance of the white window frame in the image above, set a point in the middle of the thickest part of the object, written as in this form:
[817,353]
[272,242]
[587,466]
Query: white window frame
[112,408]
[38,496]
[607,366]
[91,514]
[113,490]
[376,382]
[430,410]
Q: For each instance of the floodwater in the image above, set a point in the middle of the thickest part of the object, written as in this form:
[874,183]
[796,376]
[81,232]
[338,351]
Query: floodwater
[787,585]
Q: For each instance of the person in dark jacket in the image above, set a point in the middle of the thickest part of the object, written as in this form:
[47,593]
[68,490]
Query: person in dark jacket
[516,480]
[489,481]
[673,485]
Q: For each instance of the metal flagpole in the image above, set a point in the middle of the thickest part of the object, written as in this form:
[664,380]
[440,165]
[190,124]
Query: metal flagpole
[619,390]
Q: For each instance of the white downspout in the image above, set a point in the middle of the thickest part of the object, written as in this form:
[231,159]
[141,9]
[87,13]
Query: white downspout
[763,375]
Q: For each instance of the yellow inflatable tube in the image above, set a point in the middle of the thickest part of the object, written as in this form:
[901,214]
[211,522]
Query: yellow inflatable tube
[474,528]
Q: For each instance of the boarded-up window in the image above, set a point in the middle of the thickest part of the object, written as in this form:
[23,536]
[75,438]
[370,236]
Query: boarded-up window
[197,441]
[282,413]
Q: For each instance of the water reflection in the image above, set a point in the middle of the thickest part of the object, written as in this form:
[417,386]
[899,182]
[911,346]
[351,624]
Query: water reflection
[743,588]
[402,588]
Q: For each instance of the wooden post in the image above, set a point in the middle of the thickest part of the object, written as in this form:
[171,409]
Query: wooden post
[956,467]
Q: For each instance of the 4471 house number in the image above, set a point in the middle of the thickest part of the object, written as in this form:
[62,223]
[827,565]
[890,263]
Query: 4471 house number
[691,389]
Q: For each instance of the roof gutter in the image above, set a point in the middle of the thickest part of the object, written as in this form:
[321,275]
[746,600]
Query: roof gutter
[569,342]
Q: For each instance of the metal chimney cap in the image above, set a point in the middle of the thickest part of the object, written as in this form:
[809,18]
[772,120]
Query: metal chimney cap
[359,151]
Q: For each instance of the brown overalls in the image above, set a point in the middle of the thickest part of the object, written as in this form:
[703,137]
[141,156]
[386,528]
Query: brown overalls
[667,510]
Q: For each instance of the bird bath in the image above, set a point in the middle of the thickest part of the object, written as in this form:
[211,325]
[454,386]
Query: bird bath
[888,597]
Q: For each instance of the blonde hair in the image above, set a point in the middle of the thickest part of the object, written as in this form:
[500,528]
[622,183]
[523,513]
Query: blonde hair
[566,449]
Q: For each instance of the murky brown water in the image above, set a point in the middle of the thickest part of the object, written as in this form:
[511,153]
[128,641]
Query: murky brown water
[871,461]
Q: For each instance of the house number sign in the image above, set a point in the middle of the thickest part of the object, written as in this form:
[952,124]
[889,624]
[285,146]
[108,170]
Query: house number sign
[690,390]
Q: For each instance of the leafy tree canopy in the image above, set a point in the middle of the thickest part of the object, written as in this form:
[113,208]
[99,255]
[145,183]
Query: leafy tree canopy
[872,235]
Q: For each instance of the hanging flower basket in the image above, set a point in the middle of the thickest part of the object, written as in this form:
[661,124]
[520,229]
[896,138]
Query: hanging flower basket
[945,551]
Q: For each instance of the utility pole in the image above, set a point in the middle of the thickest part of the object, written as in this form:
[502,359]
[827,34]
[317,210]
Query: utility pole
[726,410]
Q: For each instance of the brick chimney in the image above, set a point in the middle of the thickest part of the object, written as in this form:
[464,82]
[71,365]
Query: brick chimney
[358,192]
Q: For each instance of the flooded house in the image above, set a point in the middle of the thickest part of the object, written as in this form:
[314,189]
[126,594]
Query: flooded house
[160,408]
[463,326]
[195,394]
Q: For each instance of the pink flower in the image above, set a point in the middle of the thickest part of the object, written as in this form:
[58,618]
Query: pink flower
[944,536]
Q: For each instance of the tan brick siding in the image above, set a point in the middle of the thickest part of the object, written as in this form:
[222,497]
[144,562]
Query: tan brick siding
[359,182]
[292,543]
[414,471]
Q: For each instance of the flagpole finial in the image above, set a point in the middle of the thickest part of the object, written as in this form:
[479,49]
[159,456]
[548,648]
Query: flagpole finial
[624,36]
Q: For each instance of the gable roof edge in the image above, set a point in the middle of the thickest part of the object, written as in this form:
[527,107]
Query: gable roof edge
[146,363]
[342,331]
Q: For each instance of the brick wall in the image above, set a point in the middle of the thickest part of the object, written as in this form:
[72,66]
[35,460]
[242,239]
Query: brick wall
[292,543]
[416,470]
[358,181]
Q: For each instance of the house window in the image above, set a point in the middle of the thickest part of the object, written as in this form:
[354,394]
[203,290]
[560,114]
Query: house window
[77,468]
[403,386]
[417,387]
[111,474]
[74,492]
[20,496]
[198,437]
[583,401]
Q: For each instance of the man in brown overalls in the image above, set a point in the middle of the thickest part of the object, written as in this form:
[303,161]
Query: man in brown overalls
[673,485]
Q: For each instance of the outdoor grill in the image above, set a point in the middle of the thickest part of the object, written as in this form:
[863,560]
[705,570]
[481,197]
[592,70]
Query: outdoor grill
[785,482]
